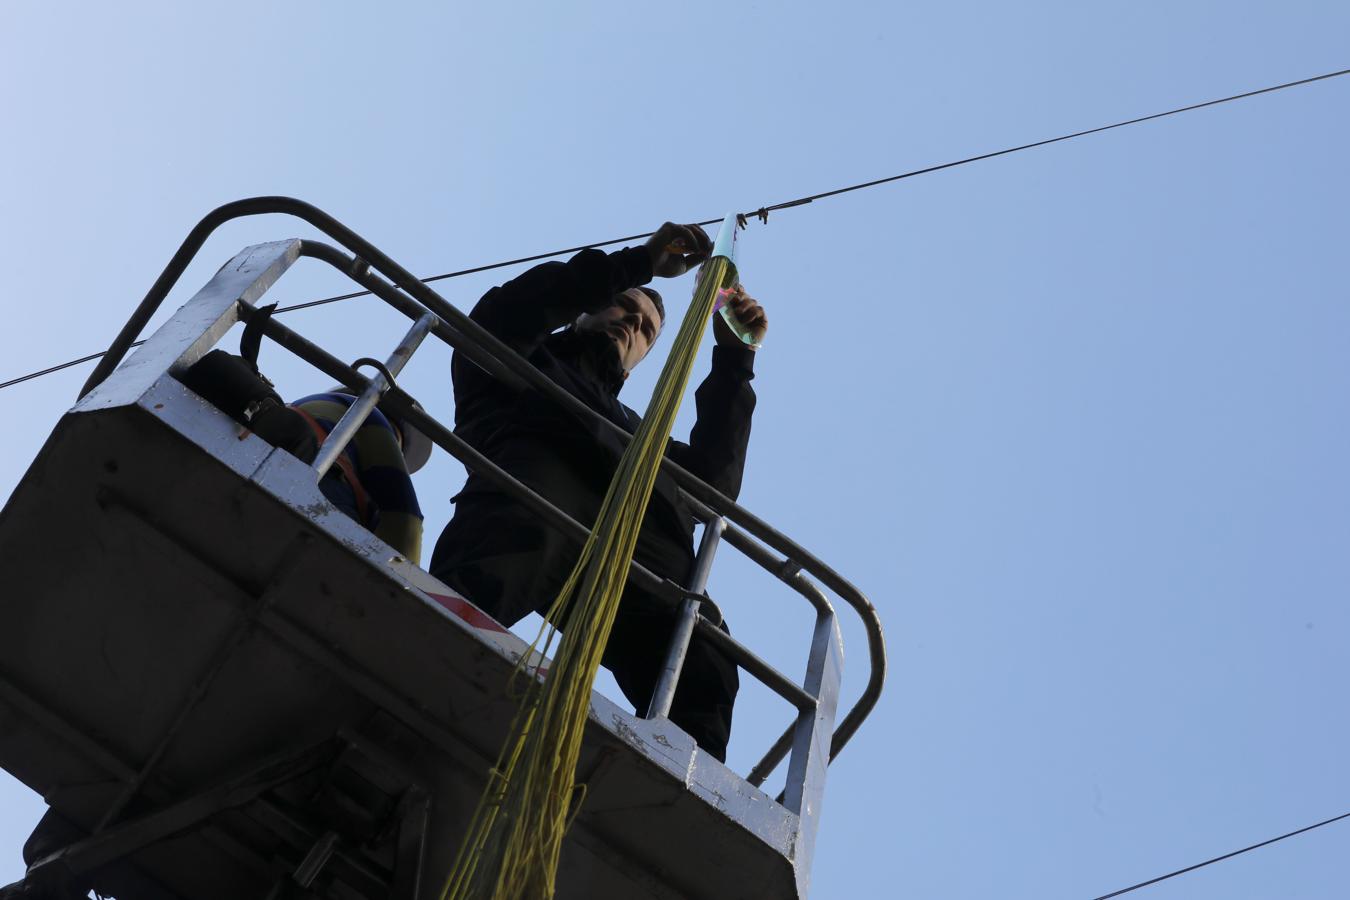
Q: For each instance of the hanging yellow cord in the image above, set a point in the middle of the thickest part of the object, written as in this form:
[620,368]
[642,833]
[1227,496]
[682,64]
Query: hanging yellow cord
[511,849]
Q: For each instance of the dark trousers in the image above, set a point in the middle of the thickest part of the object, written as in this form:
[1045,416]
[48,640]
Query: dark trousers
[508,563]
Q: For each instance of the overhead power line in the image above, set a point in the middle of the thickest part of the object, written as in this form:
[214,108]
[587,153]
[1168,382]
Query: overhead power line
[1209,862]
[763,212]
[49,370]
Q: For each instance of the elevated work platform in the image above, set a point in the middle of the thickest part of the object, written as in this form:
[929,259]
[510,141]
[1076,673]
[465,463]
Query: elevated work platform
[228,689]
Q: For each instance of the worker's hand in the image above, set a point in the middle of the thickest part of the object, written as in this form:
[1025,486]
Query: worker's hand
[675,249]
[748,312]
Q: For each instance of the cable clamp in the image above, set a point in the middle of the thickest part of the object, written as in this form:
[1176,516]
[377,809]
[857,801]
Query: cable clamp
[743,219]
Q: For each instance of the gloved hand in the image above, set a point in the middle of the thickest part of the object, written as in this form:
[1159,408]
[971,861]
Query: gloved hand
[749,313]
[675,249]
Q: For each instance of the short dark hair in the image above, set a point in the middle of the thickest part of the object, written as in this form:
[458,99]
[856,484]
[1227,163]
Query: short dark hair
[656,301]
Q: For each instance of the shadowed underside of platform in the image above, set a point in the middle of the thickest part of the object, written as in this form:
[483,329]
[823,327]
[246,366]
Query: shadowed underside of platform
[181,606]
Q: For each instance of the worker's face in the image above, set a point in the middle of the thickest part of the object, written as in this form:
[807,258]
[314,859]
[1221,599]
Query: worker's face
[632,323]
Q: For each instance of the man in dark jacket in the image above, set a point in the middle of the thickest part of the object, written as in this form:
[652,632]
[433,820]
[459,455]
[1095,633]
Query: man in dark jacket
[502,556]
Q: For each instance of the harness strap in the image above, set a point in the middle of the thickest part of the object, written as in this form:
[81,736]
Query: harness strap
[344,463]
[251,340]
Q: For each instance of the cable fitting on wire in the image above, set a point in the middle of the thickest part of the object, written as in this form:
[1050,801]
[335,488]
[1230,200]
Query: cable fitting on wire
[743,219]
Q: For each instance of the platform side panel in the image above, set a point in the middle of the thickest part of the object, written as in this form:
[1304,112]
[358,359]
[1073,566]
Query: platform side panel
[84,630]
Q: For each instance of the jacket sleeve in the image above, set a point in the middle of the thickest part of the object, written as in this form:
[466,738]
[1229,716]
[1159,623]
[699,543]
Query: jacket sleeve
[528,308]
[717,444]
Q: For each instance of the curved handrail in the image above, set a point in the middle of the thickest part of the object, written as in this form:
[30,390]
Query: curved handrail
[368,253]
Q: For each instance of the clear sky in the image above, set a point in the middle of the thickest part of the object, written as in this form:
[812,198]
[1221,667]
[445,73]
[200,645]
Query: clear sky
[1074,418]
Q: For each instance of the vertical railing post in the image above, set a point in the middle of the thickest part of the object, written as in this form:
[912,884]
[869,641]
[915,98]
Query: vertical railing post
[664,693]
[357,413]
[809,764]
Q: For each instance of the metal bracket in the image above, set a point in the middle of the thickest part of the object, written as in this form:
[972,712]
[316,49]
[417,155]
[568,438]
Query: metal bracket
[84,856]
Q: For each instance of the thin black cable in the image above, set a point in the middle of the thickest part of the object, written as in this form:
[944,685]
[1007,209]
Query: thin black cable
[763,212]
[65,365]
[1135,887]
[1064,137]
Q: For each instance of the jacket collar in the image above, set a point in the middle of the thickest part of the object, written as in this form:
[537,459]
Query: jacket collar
[593,353]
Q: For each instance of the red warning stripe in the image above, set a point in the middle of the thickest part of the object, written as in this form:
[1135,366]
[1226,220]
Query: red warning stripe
[467,611]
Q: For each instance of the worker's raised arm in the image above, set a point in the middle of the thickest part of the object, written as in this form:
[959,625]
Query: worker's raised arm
[719,439]
[527,309]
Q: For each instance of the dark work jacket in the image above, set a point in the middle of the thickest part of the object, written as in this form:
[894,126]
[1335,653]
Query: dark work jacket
[500,550]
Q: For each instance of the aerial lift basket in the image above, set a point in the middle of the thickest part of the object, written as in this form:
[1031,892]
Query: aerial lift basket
[225,688]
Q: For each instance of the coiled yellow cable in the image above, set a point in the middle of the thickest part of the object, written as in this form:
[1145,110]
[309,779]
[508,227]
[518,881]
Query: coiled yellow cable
[511,849]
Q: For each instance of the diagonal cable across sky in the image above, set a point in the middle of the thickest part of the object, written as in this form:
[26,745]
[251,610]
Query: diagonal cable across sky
[763,212]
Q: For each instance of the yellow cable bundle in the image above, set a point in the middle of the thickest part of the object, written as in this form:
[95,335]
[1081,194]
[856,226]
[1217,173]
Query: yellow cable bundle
[511,849]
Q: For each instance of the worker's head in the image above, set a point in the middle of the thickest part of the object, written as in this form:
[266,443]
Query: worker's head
[632,322]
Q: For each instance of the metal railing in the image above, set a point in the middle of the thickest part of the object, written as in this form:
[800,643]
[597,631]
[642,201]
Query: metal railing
[724,519]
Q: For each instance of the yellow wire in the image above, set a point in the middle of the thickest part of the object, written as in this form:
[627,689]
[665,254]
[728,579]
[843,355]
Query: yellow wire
[511,848]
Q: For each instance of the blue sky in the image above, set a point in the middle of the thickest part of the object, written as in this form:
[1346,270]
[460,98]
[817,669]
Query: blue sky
[1073,418]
